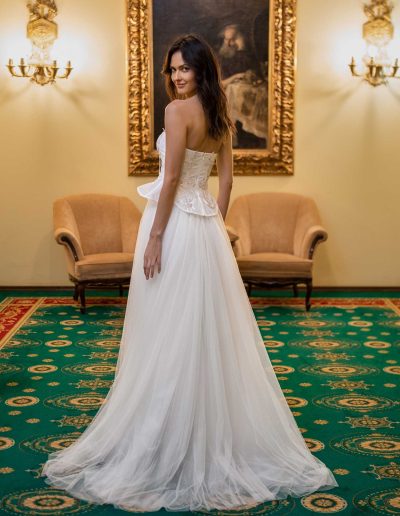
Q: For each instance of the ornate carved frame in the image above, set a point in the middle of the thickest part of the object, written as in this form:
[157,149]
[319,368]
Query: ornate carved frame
[278,159]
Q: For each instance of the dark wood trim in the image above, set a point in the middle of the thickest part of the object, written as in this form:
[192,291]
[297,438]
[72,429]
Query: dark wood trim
[67,242]
[249,283]
[315,289]
[55,288]
[314,244]
[80,287]
[358,289]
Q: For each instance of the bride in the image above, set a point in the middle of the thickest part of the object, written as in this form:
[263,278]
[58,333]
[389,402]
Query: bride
[195,418]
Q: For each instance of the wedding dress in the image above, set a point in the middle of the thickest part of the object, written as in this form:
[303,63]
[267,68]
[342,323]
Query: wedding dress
[195,418]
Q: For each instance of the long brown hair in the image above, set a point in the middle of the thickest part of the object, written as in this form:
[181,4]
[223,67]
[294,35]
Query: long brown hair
[200,56]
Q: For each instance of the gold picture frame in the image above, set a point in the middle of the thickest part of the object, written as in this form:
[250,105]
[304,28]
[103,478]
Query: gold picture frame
[277,159]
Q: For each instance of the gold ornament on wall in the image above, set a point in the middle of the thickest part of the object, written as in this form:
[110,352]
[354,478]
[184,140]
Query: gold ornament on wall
[42,30]
[377,32]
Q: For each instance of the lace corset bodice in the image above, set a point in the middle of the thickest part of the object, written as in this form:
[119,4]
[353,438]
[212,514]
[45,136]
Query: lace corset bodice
[192,194]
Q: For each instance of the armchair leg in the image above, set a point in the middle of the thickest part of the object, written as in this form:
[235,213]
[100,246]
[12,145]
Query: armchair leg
[308,294]
[81,293]
[248,288]
[295,290]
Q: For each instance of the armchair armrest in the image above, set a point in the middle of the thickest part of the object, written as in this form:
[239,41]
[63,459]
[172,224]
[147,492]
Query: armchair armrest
[313,236]
[65,237]
[233,236]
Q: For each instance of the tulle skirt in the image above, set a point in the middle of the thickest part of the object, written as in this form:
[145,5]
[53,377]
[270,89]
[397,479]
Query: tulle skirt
[195,418]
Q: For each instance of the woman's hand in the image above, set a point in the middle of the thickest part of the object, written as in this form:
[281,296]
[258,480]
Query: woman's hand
[152,256]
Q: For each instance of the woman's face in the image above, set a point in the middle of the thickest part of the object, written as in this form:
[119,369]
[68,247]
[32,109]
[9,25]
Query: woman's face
[183,76]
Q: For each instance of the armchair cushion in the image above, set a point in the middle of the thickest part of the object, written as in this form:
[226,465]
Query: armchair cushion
[274,265]
[104,265]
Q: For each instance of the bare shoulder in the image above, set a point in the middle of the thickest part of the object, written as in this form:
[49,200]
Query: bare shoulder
[176,106]
[176,115]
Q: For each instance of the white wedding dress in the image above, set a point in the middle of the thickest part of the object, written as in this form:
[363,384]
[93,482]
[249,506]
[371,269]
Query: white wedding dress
[195,418]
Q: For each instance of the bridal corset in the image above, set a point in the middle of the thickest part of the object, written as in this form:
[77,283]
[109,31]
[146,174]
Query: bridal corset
[192,194]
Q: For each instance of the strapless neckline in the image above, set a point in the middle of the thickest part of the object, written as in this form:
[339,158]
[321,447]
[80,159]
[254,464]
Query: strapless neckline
[193,150]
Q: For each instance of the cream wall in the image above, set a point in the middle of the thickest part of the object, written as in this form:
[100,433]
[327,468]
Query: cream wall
[71,138]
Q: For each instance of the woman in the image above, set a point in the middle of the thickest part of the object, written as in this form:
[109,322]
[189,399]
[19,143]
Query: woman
[195,418]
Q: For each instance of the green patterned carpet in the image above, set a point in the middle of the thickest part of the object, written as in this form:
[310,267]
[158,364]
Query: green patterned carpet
[338,366]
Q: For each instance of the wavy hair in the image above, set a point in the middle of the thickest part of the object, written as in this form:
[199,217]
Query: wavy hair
[198,54]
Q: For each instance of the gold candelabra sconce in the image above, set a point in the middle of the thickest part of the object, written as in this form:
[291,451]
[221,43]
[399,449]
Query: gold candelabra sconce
[377,32]
[40,68]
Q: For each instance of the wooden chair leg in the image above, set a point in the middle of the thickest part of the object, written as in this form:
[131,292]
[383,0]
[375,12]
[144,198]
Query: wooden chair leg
[308,294]
[81,292]
[248,288]
[295,290]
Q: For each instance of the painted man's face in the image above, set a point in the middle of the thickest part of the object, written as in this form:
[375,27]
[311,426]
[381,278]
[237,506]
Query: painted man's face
[232,42]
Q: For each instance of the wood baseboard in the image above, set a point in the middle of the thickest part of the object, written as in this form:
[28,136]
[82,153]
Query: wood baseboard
[315,288]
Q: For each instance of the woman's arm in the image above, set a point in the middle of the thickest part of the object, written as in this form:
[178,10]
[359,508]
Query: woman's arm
[225,175]
[175,133]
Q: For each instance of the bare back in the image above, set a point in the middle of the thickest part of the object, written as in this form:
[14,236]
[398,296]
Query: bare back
[198,138]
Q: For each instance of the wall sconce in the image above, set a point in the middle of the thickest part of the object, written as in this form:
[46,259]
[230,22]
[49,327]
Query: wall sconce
[42,31]
[377,32]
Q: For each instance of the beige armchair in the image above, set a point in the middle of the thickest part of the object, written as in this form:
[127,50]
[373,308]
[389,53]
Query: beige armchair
[98,232]
[277,236]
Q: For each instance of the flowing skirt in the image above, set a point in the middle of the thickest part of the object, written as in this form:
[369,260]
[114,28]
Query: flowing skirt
[195,418]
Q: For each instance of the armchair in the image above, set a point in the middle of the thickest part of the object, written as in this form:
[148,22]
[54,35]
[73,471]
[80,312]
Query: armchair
[98,232]
[277,236]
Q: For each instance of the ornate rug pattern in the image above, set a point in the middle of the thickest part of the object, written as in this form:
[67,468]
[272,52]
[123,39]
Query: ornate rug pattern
[338,366]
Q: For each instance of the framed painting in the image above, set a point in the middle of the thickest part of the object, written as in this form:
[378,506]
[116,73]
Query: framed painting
[255,47]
